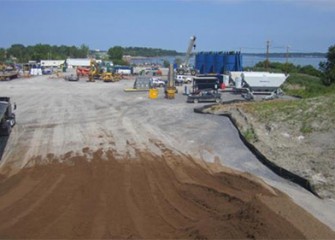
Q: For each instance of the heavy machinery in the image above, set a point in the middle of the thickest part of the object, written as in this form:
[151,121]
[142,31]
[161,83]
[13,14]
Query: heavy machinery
[7,116]
[185,68]
[94,72]
[8,72]
[82,71]
[171,89]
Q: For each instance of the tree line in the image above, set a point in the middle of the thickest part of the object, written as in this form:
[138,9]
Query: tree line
[148,52]
[22,54]
[326,71]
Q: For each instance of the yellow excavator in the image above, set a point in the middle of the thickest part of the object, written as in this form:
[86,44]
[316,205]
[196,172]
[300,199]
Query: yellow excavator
[94,71]
[109,76]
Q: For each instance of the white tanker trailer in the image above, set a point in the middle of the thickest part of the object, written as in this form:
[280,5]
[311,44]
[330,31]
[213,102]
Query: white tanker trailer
[259,82]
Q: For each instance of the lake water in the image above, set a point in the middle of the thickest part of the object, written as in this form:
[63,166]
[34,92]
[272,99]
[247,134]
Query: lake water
[247,61]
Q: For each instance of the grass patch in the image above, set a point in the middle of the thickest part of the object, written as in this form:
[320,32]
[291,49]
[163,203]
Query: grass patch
[306,115]
[250,135]
[306,86]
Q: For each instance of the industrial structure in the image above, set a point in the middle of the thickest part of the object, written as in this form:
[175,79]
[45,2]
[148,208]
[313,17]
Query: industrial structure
[185,67]
[218,62]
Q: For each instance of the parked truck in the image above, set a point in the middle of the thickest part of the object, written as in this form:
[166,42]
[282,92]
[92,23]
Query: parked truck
[7,116]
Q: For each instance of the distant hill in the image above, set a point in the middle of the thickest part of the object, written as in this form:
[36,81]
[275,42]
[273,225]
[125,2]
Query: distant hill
[158,52]
[291,54]
[148,52]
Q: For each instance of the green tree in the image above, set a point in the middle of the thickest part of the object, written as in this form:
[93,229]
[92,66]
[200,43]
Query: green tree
[166,63]
[17,51]
[84,50]
[328,67]
[178,61]
[2,54]
[115,53]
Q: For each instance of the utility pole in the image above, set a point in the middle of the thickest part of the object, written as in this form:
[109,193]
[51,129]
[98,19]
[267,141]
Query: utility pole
[267,55]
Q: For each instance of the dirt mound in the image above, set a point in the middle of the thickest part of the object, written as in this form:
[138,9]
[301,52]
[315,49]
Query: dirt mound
[169,196]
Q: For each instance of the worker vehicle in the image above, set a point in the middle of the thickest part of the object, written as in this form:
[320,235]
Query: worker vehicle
[72,77]
[7,116]
[157,82]
[185,68]
[204,95]
[180,80]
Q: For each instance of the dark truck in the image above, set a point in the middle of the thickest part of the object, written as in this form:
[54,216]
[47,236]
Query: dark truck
[204,95]
[7,117]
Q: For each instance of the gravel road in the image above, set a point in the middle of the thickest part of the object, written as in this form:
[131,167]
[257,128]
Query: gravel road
[56,118]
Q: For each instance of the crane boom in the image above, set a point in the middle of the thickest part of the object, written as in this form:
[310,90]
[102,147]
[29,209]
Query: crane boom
[191,45]
[184,68]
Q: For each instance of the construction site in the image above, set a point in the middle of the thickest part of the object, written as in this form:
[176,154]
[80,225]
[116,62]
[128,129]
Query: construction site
[92,154]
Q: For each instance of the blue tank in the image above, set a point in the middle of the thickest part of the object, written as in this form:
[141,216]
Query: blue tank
[199,62]
[218,62]
[238,62]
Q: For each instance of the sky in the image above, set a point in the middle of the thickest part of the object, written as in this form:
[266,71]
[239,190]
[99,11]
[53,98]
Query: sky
[219,25]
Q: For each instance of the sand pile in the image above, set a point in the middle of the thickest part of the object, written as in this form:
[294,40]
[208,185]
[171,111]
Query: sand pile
[171,196]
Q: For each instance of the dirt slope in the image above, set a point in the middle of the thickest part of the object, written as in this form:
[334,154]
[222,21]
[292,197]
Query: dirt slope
[172,196]
[309,155]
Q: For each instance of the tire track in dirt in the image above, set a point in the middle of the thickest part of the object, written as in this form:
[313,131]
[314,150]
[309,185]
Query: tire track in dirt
[150,196]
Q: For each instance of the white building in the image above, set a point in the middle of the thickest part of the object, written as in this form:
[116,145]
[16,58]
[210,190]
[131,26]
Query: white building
[51,63]
[79,62]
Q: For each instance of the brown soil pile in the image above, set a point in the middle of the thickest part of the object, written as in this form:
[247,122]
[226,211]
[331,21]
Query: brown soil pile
[148,197]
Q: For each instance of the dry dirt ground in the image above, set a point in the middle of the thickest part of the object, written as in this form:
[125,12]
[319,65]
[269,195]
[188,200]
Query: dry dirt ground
[308,155]
[87,160]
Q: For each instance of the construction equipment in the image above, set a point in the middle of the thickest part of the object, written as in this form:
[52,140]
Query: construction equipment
[82,71]
[171,89]
[8,72]
[108,76]
[71,77]
[94,72]
[7,116]
[185,68]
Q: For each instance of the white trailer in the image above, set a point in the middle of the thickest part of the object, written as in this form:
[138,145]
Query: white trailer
[261,83]
[51,63]
[79,62]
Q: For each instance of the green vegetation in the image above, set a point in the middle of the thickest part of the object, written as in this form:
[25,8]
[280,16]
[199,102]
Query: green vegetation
[250,135]
[21,54]
[116,54]
[306,86]
[315,111]
[148,52]
[328,67]
[286,68]
[305,115]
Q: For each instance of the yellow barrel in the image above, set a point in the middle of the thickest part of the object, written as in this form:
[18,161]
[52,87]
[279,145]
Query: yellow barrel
[153,93]
[171,93]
